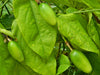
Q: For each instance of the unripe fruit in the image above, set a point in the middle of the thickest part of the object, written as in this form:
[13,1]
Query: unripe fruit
[15,51]
[47,13]
[80,61]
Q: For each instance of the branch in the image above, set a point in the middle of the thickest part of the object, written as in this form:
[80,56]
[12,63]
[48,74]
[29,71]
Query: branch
[6,32]
[67,44]
[4,3]
[7,9]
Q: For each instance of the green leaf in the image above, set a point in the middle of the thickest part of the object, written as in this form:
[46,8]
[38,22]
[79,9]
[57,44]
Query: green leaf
[64,64]
[3,55]
[7,20]
[1,26]
[35,37]
[34,61]
[9,66]
[72,29]
[95,62]
[80,17]
[39,35]
[92,31]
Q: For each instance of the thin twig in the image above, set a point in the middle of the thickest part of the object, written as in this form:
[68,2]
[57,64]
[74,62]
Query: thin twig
[83,11]
[97,19]
[8,39]
[7,9]
[67,44]
[2,7]
[4,3]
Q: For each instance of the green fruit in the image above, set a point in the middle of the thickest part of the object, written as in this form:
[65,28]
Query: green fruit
[47,13]
[15,51]
[80,61]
